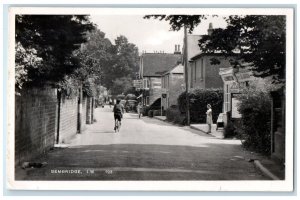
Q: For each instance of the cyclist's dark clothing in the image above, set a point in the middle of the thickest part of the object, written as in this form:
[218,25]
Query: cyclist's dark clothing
[118,111]
[118,116]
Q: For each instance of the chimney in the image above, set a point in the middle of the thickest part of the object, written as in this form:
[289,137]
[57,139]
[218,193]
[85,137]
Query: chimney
[210,29]
[177,49]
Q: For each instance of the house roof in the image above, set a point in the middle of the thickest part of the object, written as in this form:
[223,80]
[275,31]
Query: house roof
[178,69]
[199,55]
[156,64]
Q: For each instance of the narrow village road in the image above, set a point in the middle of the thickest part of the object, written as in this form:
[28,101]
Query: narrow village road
[145,149]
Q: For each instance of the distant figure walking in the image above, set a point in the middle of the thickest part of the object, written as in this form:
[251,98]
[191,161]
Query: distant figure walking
[139,109]
[209,118]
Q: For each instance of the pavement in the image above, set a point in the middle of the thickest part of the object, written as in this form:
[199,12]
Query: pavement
[145,149]
[266,165]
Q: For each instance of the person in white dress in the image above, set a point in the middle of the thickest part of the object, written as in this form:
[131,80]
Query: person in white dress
[209,117]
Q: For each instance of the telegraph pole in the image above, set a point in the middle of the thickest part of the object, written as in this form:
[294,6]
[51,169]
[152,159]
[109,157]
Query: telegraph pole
[186,77]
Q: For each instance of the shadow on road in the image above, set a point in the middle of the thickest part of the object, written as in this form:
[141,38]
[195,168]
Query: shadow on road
[146,162]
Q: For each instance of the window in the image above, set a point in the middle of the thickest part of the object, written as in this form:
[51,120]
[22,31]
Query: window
[168,81]
[146,83]
[147,100]
[227,99]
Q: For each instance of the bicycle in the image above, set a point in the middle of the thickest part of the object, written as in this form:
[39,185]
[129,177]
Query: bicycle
[117,125]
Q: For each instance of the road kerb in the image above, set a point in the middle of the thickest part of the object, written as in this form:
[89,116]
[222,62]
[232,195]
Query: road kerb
[265,171]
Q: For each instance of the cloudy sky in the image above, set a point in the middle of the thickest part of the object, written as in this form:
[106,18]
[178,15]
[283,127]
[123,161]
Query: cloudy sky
[148,34]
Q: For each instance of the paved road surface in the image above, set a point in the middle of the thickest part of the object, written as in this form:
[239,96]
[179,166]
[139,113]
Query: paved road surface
[144,149]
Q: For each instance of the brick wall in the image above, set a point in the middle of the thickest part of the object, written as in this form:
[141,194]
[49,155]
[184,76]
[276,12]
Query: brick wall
[35,123]
[83,116]
[89,110]
[68,119]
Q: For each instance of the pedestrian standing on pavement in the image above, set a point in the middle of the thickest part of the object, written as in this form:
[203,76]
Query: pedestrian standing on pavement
[209,118]
[139,109]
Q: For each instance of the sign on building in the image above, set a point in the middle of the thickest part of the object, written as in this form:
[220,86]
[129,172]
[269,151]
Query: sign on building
[137,84]
[234,87]
[234,112]
[244,76]
[156,85]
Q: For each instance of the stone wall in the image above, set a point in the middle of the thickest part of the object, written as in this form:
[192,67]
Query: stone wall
[83,117]
[35,122]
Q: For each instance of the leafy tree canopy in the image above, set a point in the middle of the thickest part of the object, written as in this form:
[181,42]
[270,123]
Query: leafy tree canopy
[94,56]
[179,21]
[53,39]
[124,63]
[121,85]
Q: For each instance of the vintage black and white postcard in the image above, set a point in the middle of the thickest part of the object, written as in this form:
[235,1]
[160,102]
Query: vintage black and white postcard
[151,99]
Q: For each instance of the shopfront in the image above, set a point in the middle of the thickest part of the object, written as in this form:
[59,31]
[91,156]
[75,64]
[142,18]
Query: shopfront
[234,81]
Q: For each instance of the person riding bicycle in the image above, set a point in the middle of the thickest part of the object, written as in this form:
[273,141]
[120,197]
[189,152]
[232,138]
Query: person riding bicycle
[118,112]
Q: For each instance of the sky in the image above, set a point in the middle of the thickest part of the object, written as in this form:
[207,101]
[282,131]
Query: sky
[148,34]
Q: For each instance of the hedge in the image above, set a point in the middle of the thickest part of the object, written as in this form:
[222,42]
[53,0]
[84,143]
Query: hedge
[150,113]
[158,113]
[174,115]
[255,108]
[199,98]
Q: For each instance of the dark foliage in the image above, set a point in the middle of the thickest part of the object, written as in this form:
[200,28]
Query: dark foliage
[255,108]
[150,113]
[54,37]
[256,40]
[174,115]
[179,21]
[199,98]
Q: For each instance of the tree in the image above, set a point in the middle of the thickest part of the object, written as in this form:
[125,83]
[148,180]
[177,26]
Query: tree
[25,59]
[53,38]
[258,40]
[121,85]
[127,56]
[123,65]
[179,21]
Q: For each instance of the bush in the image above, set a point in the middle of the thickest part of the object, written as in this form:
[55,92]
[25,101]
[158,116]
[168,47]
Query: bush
[229,130]
[156,112]
[145,110]
[255,108]
[199,98]
[150,113]
[174,115]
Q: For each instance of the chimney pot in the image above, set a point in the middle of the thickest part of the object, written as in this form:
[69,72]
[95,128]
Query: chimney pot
[210,29]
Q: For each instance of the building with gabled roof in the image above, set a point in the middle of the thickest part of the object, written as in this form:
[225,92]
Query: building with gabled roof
[152,67]
[172,85]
